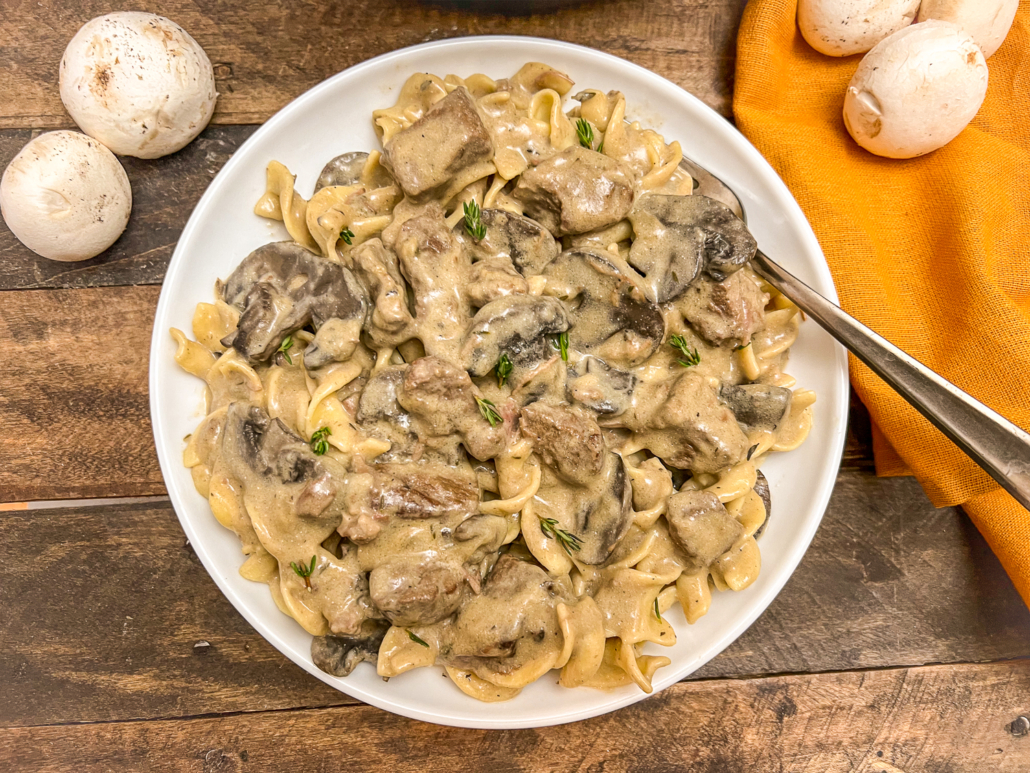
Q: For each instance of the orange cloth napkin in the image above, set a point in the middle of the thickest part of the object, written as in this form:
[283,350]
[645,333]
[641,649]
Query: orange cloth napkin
[933,253]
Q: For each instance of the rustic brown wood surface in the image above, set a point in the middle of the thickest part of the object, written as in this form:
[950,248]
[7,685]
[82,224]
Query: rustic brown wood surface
[890,721]
[118,652]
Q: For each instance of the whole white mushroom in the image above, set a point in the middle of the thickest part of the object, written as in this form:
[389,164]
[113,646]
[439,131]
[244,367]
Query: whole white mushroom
[988,21]
[846,27]
[916,90]
[138,83]
[65,196]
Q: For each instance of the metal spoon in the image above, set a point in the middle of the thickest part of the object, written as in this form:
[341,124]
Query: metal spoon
[992,441]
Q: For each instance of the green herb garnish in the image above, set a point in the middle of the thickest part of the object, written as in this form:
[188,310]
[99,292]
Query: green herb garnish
[489,411]
[585,132]
[285,347]
[305,571]
[319,444]
[415,638]
[503,369]
[657,612]
[600,147]
[347,235]
[741,346]
[474,220]
[566,539]
[561,343]
[691,356]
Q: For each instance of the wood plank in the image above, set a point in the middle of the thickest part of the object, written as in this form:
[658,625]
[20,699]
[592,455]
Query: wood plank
[78,360]
[74,413]
[164,193]
[265,54]
[888,581]
[960,719]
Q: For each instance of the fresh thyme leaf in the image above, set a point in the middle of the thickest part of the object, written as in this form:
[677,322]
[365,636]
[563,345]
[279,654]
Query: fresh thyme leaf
[347,235]
[751,451]
[741,346]
[319,444]
[600,147]
[285,347]
[657,612]
[585,133]
[503,369]
[489,411]
[473,220]
[305,571]
[415,638]
[561,343]
[691,356]
[567,540]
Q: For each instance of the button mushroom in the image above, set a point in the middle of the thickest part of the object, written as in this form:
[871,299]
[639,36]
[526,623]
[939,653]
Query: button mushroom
[525,242]
[65,196]
[846,27]
[347,168]
[138,83]
[678,237]
[518,326]
[339,655]
[988,21]
[280,288]
[609,314]
[575,191]
[916,91]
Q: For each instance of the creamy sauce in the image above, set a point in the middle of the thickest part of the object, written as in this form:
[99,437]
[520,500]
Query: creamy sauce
[502,400]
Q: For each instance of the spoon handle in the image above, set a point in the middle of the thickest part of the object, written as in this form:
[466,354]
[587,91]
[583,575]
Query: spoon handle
[990,440]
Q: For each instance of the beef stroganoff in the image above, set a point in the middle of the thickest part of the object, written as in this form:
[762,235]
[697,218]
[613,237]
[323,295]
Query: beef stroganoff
[502,398]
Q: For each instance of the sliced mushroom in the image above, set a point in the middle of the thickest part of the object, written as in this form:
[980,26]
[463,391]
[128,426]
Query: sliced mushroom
[678,237]
[381,416]
[339,655]
[757,406]
[346,169]
[518,326]
[761,488]
[280,288]
[609,314]
[598,386]
[525,242]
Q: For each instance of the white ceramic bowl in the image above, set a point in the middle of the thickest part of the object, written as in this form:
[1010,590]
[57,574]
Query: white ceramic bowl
[335,117]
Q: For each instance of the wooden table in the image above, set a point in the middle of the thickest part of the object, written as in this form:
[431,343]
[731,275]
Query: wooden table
[899,644]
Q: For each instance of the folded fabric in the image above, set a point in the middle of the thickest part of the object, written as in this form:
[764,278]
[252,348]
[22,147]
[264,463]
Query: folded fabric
[933,253]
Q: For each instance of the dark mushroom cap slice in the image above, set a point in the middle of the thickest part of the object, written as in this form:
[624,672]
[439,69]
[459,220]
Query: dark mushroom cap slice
[516,325]
[761,488]
[609,313]
[598,386]
[528,245]
[345,169]
[281,287]
[338,655]
[678,237]
[757,406]
[605,512]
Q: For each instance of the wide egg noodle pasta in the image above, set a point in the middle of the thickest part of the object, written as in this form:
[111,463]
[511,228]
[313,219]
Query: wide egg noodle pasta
[596,619]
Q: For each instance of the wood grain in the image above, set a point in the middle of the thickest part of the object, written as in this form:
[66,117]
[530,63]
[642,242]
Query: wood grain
[102,608]
[265,54]
[74,416]
[954,719]
[164,193]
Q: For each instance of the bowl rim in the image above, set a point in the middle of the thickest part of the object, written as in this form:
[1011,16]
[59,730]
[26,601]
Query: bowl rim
[799,545]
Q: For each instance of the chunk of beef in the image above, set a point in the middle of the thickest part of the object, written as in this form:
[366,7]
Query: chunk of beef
[442,398]
[701,527]
[686,425]
[730,310]
[575,191]
[568,439]
[416,591]
[381,416]
[493,278]
[391,323]
[441,148]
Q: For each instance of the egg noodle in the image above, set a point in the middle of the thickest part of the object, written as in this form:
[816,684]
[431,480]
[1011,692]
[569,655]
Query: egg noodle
[501,400]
